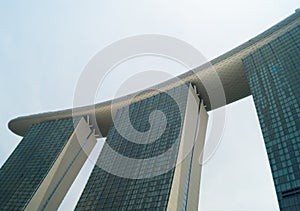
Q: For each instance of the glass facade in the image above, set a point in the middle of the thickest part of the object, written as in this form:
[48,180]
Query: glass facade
[30,162]
[106,191]
[273,73]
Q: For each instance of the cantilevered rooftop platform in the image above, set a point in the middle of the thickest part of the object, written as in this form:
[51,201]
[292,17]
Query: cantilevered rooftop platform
[228,66]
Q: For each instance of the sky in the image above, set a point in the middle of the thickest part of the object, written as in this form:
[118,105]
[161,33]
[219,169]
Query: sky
[44,46]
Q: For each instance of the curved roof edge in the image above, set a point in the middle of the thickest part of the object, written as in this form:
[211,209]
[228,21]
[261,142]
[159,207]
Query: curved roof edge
[228,66]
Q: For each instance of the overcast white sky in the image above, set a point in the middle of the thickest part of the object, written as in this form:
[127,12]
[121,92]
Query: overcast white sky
[45,46]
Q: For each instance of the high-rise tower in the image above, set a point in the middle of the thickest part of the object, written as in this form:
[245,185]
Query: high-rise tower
[273,72]
[161,174]
[42,168]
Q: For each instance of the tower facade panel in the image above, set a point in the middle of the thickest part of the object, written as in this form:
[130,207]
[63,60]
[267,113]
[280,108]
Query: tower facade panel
[43,166]
[154,180]
[30,162]
[273,73]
